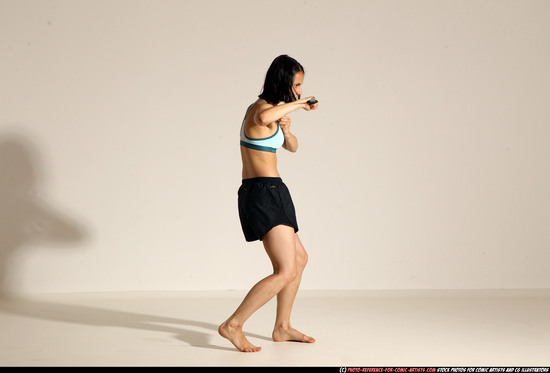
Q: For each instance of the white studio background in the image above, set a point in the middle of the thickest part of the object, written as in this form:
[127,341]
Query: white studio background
[427,165]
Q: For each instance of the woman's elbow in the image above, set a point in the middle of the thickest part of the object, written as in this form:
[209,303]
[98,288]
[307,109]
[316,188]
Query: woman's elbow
[262,119]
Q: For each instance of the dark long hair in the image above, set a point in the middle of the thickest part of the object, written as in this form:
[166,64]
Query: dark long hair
[279,79]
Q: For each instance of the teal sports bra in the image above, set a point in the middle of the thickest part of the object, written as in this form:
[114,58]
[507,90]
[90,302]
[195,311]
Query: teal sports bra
[266,144]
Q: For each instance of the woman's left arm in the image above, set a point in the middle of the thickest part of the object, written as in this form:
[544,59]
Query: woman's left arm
[291,142]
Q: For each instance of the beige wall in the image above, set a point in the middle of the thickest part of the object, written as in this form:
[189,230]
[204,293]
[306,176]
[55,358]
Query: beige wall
[426,166]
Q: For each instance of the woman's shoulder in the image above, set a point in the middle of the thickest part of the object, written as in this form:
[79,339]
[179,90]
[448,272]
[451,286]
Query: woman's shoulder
[259,105]
[261,101]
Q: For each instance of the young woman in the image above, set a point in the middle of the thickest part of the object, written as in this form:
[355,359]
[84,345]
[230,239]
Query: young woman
[266,210]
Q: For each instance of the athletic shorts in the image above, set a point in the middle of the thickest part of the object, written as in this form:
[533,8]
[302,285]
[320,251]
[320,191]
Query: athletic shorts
[264,203]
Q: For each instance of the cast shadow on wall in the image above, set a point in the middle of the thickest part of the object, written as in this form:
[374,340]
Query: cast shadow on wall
[28,222]
[26,218]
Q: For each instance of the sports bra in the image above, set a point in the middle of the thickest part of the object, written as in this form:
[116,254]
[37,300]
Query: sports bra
[266,144]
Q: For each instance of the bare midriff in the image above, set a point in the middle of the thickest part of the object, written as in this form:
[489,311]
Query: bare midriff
[257,163]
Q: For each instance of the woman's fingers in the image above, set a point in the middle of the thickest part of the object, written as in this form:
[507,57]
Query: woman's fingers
[284,120]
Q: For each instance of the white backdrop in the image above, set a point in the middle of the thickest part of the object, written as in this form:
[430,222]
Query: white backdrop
[426,165]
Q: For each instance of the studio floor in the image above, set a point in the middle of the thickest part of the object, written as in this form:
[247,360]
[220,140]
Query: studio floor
[352,328]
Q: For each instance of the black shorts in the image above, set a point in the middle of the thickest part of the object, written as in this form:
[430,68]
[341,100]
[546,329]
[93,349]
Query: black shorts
[264,203]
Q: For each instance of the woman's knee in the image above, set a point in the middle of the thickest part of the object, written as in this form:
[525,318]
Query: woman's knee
[301,260]
[304,259]
[287,275]
[301,254]
[301,265]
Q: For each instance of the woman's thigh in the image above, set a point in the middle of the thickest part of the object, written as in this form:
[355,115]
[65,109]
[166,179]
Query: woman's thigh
[280,245]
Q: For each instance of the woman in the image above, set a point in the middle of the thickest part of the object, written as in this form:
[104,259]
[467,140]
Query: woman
[266,210]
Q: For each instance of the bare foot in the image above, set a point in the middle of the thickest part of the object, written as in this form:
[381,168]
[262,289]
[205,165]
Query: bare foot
[282,335]
[236,336]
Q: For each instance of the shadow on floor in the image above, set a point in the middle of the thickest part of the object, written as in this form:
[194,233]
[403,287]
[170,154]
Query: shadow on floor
[93,316]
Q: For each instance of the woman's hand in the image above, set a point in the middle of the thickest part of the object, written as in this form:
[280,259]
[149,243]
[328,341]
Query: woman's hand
[308,107]
[284,122]
[291,142]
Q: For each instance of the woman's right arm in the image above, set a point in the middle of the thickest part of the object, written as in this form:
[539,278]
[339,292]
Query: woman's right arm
[268,113]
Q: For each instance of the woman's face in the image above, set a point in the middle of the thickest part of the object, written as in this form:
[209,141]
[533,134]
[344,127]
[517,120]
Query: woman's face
[297,84]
